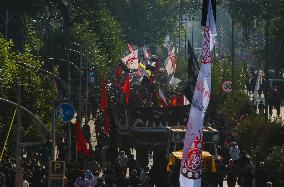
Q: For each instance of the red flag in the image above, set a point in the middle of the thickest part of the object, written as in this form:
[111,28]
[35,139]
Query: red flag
[174,101]
[81,143]
[118,71]
[106,122]
[126,88]
[103,96]
[180,100]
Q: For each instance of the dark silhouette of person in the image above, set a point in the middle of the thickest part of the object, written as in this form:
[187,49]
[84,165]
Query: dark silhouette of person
[260,175]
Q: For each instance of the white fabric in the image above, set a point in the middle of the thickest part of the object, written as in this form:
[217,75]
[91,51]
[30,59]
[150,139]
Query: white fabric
[170,61]
[190,173]
[26,183]
[131,60]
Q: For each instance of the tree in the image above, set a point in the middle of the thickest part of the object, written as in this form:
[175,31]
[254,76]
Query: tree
[24,69]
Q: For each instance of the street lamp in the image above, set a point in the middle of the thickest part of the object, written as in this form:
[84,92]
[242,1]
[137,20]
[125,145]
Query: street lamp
[87,81]
[69,93]
[67,89]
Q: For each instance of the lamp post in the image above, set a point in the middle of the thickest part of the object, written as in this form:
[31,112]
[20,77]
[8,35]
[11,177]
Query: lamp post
[53,98]
[266,66]
[80,52]
[69,99]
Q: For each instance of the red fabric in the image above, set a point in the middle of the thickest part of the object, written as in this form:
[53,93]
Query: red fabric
[106,122]
[80,141]
[174,101]
[103,96]
[180,100]
[126,88]
[118,71]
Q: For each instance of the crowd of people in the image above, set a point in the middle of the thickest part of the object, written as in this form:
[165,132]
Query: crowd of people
[238,168]
[108,168]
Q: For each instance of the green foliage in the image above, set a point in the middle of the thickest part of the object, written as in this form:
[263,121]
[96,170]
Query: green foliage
[102,37]
[275,165]
[148,22]
[249,132]
[271,135]
[23,69]
[227,106]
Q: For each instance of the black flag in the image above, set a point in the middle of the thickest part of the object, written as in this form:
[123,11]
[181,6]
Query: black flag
[205,11]
[193,68]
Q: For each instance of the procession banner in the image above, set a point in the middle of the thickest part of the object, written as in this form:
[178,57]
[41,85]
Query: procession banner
[190,172]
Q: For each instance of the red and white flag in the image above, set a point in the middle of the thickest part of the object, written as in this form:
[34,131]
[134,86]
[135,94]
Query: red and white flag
[190,172]
[131,60]
[130,47]
[162,99]
[171,64]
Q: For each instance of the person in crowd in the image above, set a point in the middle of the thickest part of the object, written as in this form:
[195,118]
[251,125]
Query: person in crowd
[123,160]
[82,182]
[134,179]
[2,179]
[158,173]
[260,175]
[246,172]
[231,172]
[234,152]
[131,163]
[87,132]
[120,180]
[109,175]
[261,107]
[104,157]
[276,100]
[220,172]
[270,101]
[25,180]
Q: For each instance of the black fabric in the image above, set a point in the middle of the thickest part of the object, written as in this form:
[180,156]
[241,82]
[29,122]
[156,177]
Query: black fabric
[205,11]
[145,127]
[192,73]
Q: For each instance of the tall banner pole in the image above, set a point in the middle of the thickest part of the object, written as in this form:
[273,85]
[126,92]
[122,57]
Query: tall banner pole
[190,171]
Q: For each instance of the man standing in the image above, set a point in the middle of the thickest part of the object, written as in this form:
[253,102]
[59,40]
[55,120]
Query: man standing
[231,172]
[260,175]
[234,152]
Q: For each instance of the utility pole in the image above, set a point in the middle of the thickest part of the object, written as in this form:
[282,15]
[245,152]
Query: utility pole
[192,30]
[266,63]
[53,113]
[80,86]
[233,50]
[179,26]
[185,40]
[6,24]
[69,99]
[18,136]
[87,91]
